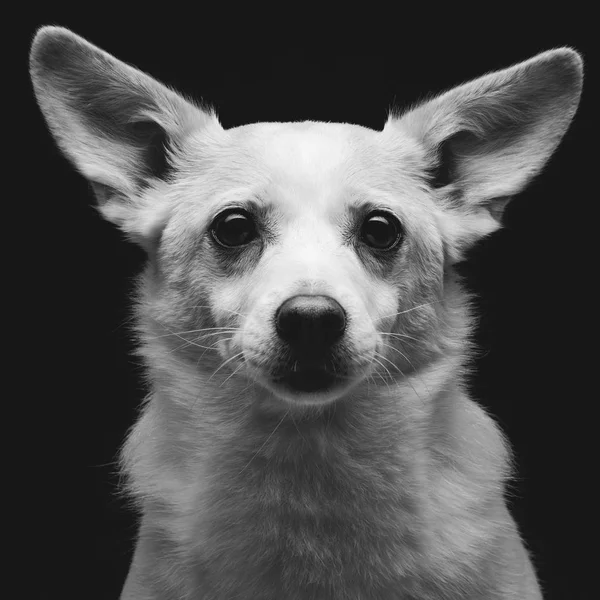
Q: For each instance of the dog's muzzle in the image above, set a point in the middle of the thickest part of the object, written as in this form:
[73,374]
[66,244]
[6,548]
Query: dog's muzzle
[310,326]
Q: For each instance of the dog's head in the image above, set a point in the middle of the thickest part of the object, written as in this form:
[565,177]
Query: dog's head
[306,257]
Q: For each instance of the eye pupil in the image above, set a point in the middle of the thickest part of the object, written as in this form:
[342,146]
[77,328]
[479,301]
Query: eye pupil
[381,231]
[233,229]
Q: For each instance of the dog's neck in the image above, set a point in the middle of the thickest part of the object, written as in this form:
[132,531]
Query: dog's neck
[247,486]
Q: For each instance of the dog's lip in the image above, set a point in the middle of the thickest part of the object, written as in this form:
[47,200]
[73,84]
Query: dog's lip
[307,379]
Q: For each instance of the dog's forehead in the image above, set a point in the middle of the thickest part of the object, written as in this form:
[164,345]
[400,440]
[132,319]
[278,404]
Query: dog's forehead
[305,148]
[320,162]
[307,154]
[299,165]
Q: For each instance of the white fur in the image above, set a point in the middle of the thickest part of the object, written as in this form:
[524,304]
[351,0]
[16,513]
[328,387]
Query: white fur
[388,486]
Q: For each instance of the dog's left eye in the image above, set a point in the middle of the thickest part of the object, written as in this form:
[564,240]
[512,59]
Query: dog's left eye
[381,230]
[234,227]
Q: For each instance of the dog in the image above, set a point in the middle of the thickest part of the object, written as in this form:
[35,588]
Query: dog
[308,434]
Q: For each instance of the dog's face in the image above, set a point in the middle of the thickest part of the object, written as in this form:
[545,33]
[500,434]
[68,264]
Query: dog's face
[307,257]
[320,257]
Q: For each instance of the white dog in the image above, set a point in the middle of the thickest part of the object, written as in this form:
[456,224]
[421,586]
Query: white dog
[308,434]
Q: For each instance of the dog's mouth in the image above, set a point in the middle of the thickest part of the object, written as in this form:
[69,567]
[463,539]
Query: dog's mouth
[313,375]
[309,379]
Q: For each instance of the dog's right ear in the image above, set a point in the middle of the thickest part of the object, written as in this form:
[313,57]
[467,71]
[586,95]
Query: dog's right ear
[118,126]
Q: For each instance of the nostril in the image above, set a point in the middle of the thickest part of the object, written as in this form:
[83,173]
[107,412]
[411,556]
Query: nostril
[310,322]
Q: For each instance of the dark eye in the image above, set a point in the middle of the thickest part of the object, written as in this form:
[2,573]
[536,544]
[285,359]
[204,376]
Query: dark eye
[381,230]
[234,227]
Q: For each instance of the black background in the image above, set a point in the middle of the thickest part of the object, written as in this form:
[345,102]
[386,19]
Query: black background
[530,279]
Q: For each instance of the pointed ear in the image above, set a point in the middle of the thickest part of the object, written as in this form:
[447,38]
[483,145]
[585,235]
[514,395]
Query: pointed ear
[118,126]
[486,139]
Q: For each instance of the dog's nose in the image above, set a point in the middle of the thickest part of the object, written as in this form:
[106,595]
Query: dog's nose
[310,323]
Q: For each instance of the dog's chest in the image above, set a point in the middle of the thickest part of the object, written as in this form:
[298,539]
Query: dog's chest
[318,525]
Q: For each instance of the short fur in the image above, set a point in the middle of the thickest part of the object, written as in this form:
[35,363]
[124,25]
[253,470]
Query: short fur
[389,486]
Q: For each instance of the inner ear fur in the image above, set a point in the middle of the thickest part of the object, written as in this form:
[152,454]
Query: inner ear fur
[118,125]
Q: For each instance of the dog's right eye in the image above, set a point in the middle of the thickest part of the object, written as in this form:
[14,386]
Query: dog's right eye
[233,227]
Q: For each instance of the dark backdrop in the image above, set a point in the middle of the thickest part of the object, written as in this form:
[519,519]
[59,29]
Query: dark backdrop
[532,372]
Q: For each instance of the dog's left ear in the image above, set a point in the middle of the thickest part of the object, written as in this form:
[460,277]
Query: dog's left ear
[487,138]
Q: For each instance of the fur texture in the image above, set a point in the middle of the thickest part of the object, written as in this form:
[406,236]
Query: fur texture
[389,485]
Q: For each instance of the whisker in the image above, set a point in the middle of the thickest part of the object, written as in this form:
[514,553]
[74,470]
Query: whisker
[266,441]
[400,335]
[410,309]
[224,363]
[232,374]
[180,347]
[407,379]
[124,322]
[190,343]
[399,352]
[386,369]
[411,364]
[218,332]
[184,339]
[180,333]
[298,430]
[227,309]
[391,363]
[213,347]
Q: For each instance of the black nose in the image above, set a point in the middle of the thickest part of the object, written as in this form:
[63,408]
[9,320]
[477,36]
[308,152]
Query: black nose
[310,323]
